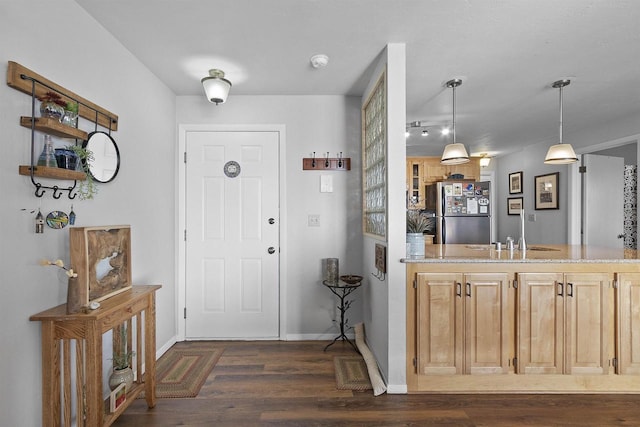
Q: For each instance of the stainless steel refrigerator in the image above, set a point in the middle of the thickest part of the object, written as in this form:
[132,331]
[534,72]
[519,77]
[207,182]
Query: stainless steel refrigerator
[462,211]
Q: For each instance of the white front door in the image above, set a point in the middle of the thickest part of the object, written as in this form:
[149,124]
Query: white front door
[603,203]
[232,222]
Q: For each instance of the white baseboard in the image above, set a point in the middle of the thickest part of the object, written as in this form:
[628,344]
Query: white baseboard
[314,337]
[396,389]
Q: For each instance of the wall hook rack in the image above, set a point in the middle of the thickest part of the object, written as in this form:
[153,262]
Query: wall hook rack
[329,163]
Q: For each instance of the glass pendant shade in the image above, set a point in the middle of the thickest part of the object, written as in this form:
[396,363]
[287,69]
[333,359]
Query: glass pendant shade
[454,154]
[560,154]
[216,87]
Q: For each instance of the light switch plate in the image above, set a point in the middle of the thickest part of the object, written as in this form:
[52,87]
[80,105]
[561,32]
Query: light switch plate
[326,184]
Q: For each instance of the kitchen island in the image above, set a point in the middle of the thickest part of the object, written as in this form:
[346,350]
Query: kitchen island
[551,319]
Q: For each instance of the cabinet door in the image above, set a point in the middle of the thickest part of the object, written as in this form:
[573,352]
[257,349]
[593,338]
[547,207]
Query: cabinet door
[587,323]
[415,183]
[434,170]
[540,318]
[628,323]
[486,323]
[439,321]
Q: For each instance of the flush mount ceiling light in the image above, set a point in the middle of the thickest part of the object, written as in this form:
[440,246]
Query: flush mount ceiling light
[561,154]
[454,153]
[216,87]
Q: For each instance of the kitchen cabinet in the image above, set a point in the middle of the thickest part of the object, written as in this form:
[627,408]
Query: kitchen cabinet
[415,184]
[427,170]
[628,323]
[462,325]
[563,323]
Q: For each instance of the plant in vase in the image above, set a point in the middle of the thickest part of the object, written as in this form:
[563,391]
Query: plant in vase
[122,372]
[70,117]
[418,225]
[88,187]
[52,105]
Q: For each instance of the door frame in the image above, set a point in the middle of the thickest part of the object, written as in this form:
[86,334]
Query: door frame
[181,288]
[574,187]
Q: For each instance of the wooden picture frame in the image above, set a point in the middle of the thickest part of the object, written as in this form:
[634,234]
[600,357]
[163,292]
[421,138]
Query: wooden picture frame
[514,205]
[101,256]
[515,182]
[546,191]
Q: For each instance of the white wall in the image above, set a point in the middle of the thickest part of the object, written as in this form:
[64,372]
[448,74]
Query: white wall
[96,66]
[550,226]
[320,124]
[385,301]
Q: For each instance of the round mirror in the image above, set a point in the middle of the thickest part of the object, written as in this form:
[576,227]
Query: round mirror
[106,163]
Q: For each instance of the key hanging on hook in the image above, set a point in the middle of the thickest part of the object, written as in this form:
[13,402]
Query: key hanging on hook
[326,161]
[313,160]
[340,159]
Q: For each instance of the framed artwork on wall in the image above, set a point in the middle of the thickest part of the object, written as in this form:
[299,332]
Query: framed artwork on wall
[514,205]
[546,191]
[515,183]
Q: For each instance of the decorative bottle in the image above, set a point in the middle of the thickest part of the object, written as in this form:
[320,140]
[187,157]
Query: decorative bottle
[47,157]
[39,222]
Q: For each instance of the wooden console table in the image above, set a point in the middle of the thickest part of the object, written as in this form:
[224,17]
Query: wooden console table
[60,329]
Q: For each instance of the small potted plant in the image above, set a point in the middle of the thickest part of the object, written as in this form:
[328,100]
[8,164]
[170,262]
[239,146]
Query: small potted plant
[418,225]
[70,117]
[86,188]
[122,372]
[52,105]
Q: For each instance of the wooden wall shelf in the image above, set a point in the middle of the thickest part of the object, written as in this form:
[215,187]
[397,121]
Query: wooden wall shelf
[53,173]
[53,127]
[86,108]
[319,163]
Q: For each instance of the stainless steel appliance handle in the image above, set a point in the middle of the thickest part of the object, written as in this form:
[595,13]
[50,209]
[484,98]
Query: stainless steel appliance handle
[443,226]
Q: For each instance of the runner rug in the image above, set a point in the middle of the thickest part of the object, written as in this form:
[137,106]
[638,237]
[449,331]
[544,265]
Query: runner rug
[351,373]
[181,372]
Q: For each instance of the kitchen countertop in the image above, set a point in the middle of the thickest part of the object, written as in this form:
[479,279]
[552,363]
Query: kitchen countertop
[534,254]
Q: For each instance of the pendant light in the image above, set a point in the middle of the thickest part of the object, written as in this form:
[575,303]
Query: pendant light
[216,87]
[454,153]
[561,154]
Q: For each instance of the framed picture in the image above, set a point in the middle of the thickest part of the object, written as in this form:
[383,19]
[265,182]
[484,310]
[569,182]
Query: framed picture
[117,397]
[515,183]
[101,256]
[546,191]
[514,205]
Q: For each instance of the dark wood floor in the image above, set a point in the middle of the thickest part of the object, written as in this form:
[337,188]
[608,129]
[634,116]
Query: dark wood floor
[274,383]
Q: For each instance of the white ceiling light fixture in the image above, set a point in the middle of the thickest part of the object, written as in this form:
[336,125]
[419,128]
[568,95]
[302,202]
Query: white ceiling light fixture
[484,160]
[216,87]
[561,154]
[454,153]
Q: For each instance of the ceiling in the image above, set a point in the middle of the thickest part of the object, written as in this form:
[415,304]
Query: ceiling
[507,53]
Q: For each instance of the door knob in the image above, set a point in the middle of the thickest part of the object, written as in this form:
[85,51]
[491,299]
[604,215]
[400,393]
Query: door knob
[272,221]
[271,250]
[620,236]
